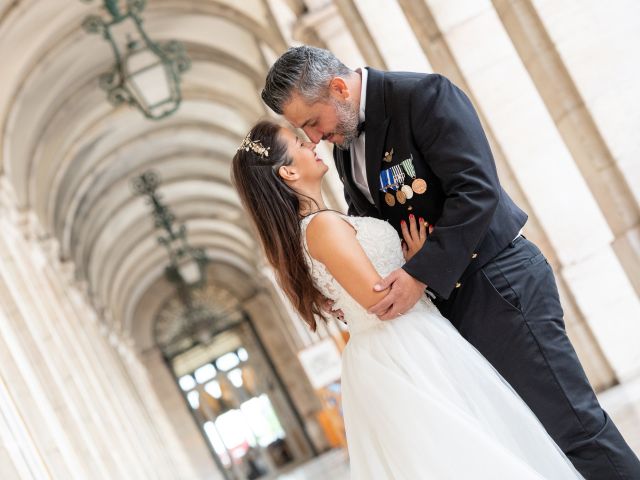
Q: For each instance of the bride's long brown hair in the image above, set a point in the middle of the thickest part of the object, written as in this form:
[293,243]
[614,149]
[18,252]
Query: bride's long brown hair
[274,210]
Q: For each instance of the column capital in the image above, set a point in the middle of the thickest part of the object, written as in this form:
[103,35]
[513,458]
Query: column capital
[318,17]
[327,26]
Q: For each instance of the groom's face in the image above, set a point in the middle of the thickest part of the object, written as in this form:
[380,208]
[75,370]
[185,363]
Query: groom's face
[334,119]
[318,120]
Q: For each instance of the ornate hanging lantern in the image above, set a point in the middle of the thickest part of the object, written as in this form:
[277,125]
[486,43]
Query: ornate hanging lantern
[199,317]
[146,73]
[187,265]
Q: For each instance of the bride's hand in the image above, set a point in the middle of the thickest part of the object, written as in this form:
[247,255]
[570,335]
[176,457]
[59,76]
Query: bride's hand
[327,307]
[414,234]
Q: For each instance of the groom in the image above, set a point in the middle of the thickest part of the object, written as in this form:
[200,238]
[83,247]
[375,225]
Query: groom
[412,144]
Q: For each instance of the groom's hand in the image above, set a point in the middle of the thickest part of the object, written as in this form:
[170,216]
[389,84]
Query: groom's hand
[404,293]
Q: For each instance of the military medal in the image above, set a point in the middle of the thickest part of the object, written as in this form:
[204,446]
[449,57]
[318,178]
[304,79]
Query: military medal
[408,192]
[418,185]
[398,179]
[388,156]
[387,181]
[389,199]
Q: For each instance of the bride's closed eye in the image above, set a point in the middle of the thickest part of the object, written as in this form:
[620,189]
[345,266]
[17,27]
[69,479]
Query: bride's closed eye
[303,144]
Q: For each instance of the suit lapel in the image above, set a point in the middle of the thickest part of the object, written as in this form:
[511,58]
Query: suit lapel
[343,164]
[377,124]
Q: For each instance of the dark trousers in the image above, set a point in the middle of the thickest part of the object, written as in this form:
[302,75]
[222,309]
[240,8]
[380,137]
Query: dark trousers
[510,311]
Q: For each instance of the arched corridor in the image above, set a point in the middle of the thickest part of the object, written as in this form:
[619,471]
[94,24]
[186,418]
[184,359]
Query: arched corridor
[91,362]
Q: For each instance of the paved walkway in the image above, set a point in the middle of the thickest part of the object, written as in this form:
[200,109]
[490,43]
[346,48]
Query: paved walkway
[621,402]
[329,466]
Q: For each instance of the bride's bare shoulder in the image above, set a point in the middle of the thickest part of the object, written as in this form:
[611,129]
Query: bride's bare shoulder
[326,231]
[328,219]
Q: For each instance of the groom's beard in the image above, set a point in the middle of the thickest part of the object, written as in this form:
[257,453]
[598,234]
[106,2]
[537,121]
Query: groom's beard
[348,118]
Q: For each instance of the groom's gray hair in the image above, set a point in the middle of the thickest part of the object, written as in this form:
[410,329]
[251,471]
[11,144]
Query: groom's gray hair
[305,70]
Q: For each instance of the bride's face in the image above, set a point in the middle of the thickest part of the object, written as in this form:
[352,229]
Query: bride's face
[307,169]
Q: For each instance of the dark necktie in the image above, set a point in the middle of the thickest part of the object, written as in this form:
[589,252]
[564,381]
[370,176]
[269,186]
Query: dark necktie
[360,128]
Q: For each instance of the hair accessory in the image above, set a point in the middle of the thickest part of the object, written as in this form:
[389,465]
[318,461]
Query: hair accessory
[255,146]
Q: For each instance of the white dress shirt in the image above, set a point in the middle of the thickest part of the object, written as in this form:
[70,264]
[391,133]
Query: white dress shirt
[358,159]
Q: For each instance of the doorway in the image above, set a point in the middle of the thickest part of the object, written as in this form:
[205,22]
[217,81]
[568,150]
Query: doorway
[240,405]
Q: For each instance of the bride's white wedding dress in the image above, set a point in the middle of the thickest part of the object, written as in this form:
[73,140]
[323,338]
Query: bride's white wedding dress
[419,401]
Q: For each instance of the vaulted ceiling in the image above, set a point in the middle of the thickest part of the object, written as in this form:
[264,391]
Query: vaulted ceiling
[70,155]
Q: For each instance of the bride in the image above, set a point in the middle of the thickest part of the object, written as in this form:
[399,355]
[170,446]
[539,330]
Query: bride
[419,401]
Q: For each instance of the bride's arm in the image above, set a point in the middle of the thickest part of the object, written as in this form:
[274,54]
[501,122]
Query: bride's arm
[332,241]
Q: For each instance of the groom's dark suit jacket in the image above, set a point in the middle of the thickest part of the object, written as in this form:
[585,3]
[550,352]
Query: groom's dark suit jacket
[510,310]
[426,117]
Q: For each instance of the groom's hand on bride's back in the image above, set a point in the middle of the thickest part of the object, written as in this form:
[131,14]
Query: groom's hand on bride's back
[404,290]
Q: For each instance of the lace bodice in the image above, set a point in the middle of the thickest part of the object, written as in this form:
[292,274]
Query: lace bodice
[382,245]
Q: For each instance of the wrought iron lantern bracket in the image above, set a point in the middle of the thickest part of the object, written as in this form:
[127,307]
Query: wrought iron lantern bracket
[140,58]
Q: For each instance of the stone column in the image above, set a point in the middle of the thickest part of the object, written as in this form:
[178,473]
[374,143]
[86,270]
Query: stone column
[134,422]
[179,458]
[26,367]
[177,413]
[391,31]
[34,265]
[20,456]
[82,332]
[545,170]
[339,26]
[300,336]
[567,61]
[597,43]
[69,381]
[271,322]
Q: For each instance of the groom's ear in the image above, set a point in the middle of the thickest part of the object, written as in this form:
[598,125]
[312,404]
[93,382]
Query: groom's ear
[339,88]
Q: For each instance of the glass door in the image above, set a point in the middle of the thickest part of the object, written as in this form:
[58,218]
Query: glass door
[239,403]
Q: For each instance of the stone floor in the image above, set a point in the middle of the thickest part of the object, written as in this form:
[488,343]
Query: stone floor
[621,402]
[329,466]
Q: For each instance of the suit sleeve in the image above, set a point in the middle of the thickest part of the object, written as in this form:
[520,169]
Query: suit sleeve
[450,137]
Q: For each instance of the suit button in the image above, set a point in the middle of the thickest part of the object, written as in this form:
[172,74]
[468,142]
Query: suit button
[458,284]
[475,255]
